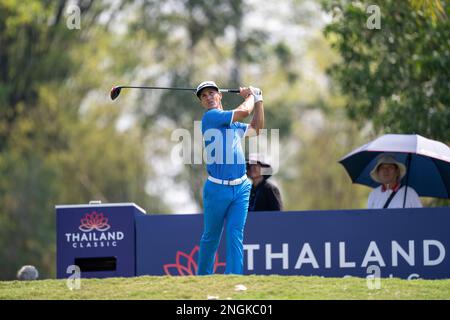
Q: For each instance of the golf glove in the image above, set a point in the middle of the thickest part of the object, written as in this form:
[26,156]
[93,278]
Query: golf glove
[257,93]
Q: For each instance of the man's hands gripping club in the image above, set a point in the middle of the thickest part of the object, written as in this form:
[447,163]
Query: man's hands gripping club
[253,103]
[255,92]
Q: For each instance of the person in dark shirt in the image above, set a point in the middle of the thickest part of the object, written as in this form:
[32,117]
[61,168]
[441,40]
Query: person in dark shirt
[264,196]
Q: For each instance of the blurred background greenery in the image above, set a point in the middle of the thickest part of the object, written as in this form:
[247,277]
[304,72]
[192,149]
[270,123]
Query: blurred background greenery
[330,84]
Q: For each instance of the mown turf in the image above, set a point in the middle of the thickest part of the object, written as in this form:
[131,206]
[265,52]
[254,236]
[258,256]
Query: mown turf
[223,287]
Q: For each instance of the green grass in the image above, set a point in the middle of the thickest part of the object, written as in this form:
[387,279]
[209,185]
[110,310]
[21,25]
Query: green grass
[199,288]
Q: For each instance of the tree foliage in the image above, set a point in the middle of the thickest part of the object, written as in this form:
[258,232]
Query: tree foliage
[54,149]
[395,77]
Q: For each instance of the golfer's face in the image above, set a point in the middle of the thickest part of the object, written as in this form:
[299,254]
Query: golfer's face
[388,173]
[210,98]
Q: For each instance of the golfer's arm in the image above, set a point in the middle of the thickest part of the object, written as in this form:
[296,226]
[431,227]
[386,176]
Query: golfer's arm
[245,109]
[257,121]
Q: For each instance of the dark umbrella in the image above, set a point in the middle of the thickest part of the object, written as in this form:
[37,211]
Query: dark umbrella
[427,162]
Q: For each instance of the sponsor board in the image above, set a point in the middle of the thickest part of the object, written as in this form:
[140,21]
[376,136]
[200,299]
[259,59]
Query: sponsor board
[403,243]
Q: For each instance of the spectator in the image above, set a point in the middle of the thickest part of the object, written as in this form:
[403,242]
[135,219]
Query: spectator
[264,195]
[390,194]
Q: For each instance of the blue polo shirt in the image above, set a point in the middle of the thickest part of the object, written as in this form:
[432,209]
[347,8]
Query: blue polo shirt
[224,156]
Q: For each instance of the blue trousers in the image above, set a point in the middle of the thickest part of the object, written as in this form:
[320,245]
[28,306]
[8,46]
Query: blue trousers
[223,205]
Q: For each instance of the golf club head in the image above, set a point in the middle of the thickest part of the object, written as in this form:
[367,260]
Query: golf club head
[115,91]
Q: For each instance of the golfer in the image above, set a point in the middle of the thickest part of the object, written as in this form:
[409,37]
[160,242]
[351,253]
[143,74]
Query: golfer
[227,190]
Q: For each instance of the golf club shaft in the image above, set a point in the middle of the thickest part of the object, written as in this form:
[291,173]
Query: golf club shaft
[174,88]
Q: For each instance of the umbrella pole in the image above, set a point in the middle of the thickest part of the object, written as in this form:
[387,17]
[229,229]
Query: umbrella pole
[408,163]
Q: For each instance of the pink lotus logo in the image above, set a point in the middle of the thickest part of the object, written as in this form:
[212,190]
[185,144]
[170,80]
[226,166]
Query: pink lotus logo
[186,264]
[94,221]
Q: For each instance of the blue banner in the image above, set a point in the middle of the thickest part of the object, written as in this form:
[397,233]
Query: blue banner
[99,239]
[118,240]
[401,243]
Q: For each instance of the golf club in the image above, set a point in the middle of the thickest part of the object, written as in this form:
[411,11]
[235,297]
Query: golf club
[115,91]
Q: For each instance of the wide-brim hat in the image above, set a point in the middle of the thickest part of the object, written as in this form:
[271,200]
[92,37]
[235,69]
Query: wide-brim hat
[387,159]
[204,85]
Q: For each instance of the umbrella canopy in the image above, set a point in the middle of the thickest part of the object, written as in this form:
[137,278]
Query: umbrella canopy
[427,162]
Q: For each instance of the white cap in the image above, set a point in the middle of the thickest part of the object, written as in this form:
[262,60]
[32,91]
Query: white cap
[205,84]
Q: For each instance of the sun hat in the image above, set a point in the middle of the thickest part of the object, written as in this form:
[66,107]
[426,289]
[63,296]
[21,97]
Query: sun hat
[387,159]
